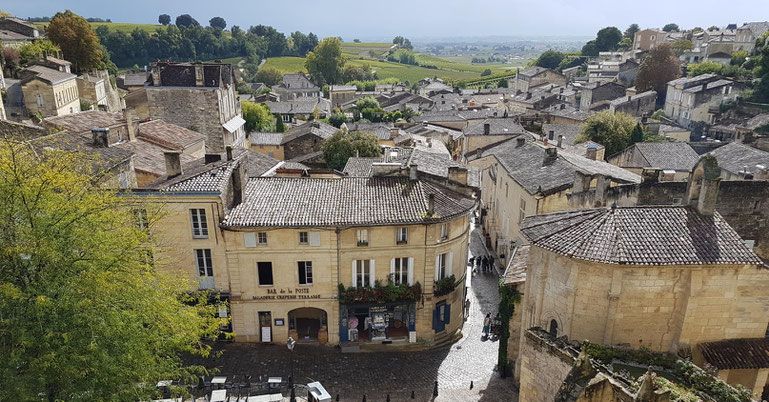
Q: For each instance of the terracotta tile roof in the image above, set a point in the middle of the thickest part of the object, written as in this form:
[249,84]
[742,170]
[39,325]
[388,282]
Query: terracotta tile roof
[85,121]
[107,157]
[515,272]
[316,128]
[167,135]
[354,201]
[658,235]
[737,353]
[148,157]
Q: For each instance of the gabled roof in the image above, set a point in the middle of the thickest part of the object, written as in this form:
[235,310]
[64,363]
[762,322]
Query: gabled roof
[297,82]
[756,28]
[266,138]
[86,121]
[628,99]
[735,157]
[657,235]
[347,201]
[300,106]
[678,156]
[383,131]
[316,128]
[568,131]
[532,71]
[107,157]
[134,79]
[736,354]
[499,126]
[167,135]
[46,74]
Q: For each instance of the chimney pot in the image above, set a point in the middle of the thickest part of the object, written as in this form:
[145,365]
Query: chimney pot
[430,204]
[592,152]
[173,163]
[551,153]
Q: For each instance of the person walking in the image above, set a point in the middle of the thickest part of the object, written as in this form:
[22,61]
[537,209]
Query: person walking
[486,323]
[486,262]
[467,308]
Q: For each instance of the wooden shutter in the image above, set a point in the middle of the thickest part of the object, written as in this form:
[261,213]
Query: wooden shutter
[372,276]
[447,314]
[314,238]
[249,239]
[411,271]
[449,261]
[437,266]
[354,275]
[392,268]
[435,320]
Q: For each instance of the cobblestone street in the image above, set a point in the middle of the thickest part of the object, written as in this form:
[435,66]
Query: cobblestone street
[375,374]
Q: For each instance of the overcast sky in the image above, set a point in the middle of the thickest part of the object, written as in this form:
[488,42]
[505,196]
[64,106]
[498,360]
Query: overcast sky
[419,18]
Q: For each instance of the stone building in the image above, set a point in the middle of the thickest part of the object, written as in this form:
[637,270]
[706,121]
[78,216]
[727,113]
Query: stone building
[531,77]
[49,92]
[491,131]
[296,86]
[200,97]
[301,256]
[665,278]
[741,162]
[622,72]
[268,144]
[674,160]
[522,178]
[692,99]
[303,143]
[596,96]
[339,94]
[15,32]
[648,39]
[96,88]
[643,104]
[748,33]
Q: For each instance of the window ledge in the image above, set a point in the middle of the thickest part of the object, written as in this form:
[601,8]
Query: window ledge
[402,242]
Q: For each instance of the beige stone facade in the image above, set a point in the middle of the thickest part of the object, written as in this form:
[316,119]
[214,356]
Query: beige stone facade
[51,100]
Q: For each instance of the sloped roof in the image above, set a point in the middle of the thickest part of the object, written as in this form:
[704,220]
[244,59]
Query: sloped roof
[354,201]
[134,79]
[657,235]
[108,157]
[86,121]
[734,157]
[298,81]
[568,131]
[167,135]
[46,74]
[733,354]
[266,138]
[668,155]
[501,126]
[532,71]
[316,128]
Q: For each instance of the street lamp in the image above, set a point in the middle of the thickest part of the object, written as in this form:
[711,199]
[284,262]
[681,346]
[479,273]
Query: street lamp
[290,343]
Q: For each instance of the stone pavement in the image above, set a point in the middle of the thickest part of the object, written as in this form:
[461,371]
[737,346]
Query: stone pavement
[375,374]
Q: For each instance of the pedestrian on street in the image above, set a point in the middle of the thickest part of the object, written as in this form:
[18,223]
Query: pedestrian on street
[467,308]
[486,262]
[486,323]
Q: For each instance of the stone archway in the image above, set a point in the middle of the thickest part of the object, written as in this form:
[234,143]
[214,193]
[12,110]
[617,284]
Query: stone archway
[308,324]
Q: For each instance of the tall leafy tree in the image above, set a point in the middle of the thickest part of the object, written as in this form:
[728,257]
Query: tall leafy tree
[681,46]
[276,41]
[217,22]
[186,20]
[325,62]
[31,51]
[608,39]
[256,115]
[670,27]
[550,59]
[164,19]
[85,313]
[77,40]
[343,144]
[269,76]
[590,49]
[612,130]
[658,68]
[631,30]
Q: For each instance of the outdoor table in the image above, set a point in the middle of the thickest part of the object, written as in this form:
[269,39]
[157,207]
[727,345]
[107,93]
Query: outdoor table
[220,395]
[274,382]
[218,382]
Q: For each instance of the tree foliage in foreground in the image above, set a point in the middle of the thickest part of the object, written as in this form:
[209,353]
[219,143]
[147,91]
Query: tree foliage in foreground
[342,146]
[84,315]
[612,130]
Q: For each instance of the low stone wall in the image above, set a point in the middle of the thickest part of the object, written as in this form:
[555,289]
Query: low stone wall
[544,367]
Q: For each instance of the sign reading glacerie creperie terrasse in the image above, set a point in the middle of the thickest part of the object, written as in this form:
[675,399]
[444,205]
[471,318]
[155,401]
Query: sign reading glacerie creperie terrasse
[287,294]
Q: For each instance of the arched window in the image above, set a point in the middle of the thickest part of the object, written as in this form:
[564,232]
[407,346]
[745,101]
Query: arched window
[553,328]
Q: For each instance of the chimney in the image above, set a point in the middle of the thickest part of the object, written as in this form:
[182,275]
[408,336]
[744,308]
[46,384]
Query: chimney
[394,132]
[551,153]
[173,163]
[211,158]
[560,141]
[458,174]
[520,141]
[561,90]
[702,190]
[486,128]
[629,97]
[413,172]
[430,204]
[156,75]
[592,152]
[100,137]
[131,125]
[545,141]
[563,106]
[229,152]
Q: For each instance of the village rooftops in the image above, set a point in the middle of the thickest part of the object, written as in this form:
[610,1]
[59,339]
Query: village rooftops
[168,136]
[679,156]
[347,201]
[105,158]
[298,81]
[736,354]
[527,164]
[501,126]
[300,106]
[266,138]
[86,121]
[316,128]
[627,99]
[45,74]
[568,131]
[383,131]
[655,235]
[735,158]
[134,79]
[532,71]
[334,88]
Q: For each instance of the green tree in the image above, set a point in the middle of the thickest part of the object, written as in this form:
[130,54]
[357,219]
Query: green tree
[256,115]
[631,30]
[31,51]
[625,44]
[164,19]
[549,59]
[608,39]
[186,20]
[343,144]
[86,315]
[670,28]
[761,91]
[486,72]
[217,22]
[337,118]
[739,57]
[325,62]
[658,68]
[590,49]
[681,46]
[368,107]
[4,14]
[279,126]
[77,40]
[612,130]
[269,76]
[705,67]
[637,135]
[713,28]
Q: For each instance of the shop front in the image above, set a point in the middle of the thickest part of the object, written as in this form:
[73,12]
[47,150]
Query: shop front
[377,322]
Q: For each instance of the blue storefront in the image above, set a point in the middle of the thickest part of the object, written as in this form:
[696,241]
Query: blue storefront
[377,322]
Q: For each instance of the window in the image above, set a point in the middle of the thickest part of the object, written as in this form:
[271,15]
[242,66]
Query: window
[249,240]
[203,261]
[315,239]
[522,211]
[286,118]
[199,224]
[303,238]
[442,266]
[444,231]
[305,272]
[402,270]
[262,237]
[363,273]
[362,237]
[402,236]
[507,190]
[265,273]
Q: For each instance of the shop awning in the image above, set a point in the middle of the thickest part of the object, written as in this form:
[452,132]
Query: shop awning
[234,124]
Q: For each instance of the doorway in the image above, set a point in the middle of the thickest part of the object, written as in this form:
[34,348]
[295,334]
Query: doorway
[265,326]
[307,322]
